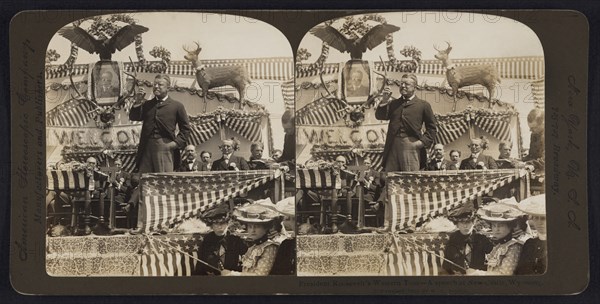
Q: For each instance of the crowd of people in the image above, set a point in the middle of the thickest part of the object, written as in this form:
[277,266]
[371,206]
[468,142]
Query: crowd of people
[510,241]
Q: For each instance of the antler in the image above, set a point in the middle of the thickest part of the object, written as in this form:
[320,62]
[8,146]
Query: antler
[383,83]
[122,98]
[325,86]
[449,46]
[436,48]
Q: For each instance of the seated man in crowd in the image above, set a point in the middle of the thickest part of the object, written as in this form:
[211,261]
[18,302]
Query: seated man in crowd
[438,162]
[205,164]
[478,160]
[257,162]
[229,162]
[454,162]
[276,155]
[189,162]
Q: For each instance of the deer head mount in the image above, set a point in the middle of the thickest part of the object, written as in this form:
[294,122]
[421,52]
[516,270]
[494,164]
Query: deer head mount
[214,77]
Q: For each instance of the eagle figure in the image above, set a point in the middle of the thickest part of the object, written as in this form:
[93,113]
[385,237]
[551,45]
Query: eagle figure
[356,47]
[104,47]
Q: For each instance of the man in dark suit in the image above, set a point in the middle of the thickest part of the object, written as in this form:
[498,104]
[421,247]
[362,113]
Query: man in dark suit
[205,164]
[158,150]
[405,144]
[229,162]
[478,160]
[189,161]
[454,163]
[256,161]
[438,162]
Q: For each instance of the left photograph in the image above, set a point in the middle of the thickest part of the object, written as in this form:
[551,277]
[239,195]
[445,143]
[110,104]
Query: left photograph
[170,147]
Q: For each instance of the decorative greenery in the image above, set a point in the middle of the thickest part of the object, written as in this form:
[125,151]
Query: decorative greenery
[303,54]
[51,56]
[161,53]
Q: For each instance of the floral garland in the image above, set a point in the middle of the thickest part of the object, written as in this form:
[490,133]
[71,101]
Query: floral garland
[355,116]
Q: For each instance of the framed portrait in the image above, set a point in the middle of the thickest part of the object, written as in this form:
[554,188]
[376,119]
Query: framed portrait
[105,82]
[356,81]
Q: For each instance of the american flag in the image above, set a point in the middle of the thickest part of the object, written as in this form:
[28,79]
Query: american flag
[497,125]
[66,180]
[172,197]
[537,90]
[170,255]
[417,196]
[321,112]
[318,179]
[418,254]
[72,113]
[247,126]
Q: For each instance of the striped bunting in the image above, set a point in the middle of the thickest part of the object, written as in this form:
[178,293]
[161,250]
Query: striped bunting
[448,131]
[202,130]
[496,125]
[275,68]
[322,111]
[72,113]
[417,196]
[288,90]
[170,255]
[318,179]
[66,180]
[416,254]
[508,67]
[172,197]
[247,126]
[538,91]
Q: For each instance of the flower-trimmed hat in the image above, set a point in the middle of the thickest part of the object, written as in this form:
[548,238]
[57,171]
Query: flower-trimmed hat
[255,213]
[534,205]
[219,214]
[465,213]
[499,213]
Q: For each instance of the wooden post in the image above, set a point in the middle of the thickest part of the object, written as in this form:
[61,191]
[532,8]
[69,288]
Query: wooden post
[112,172]
[361,171]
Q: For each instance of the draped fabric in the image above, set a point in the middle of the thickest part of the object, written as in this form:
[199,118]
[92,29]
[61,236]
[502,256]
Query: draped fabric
[322,111]
[417,196]
[72,113]
[172,197]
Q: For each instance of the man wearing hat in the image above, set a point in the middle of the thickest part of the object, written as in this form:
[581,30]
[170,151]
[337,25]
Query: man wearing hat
[260,257]
[220,249]
[465,249]
[229,162]
[534,256]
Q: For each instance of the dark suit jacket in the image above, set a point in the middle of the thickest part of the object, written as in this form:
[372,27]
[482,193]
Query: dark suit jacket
[469,164]
[204,167]
[533,258]
[432,165]
[505,163]
[209,252]
[414,114]
[220,165]
[454,251]
[166,117]
[184,167]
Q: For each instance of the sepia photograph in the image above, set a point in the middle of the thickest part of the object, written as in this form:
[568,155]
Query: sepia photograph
[420,146]
[169,147]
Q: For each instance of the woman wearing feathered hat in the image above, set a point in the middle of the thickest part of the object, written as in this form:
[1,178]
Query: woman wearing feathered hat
[260,257]
[503,258]
[533,258]
[466,249]
[221,249]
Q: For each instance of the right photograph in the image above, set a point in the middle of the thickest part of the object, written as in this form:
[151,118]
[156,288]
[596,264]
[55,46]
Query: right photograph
[420,146]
